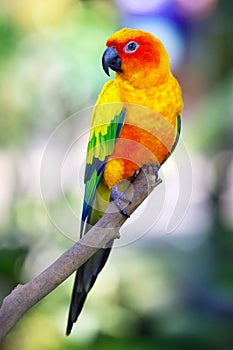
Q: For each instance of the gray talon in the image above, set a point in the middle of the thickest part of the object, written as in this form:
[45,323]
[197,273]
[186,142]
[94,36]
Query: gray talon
[115,196]
[153,170]
[156,172]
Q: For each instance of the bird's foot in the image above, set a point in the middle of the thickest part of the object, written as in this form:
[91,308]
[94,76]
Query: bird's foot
[117,196]
[152,170]
[151,173]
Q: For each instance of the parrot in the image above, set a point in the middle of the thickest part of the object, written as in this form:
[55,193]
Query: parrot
[135,122]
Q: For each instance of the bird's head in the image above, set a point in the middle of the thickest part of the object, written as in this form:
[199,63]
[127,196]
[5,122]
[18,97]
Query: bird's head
[136,56]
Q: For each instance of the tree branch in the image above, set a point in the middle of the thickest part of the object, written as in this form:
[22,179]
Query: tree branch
[23,297]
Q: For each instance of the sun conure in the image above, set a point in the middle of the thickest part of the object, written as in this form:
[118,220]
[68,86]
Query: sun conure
[136,121]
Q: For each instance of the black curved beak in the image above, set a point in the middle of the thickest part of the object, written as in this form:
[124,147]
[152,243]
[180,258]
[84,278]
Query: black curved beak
[111,60]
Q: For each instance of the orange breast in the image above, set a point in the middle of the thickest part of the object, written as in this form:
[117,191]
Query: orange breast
[137,146]
[150,143]
[149,131]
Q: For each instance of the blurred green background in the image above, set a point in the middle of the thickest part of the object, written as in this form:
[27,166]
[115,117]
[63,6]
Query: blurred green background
[163,291]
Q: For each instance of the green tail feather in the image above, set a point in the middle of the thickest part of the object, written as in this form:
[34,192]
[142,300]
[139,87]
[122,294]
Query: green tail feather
[87,273]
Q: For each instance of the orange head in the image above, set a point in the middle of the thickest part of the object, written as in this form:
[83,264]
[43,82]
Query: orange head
[136,56]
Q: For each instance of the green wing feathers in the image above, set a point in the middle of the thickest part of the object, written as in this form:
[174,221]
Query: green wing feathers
[100,146]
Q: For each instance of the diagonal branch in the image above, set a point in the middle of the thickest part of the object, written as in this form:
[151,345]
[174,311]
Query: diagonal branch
[23,297]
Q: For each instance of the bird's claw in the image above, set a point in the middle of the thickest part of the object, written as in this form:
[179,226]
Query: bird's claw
[151,173]
[116,196]
[153,170]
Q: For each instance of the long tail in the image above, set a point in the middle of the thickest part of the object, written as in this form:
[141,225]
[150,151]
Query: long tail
[84,281]
[88,272]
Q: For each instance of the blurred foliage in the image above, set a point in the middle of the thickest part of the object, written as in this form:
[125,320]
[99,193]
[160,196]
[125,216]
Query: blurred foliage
[159,293]
[41,80]
[11,261]
[9,37]
[214,117]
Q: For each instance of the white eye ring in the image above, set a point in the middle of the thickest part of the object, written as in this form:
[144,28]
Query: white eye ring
[131,47]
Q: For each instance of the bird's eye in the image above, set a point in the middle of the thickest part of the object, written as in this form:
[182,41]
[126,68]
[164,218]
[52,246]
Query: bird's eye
[131,47]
